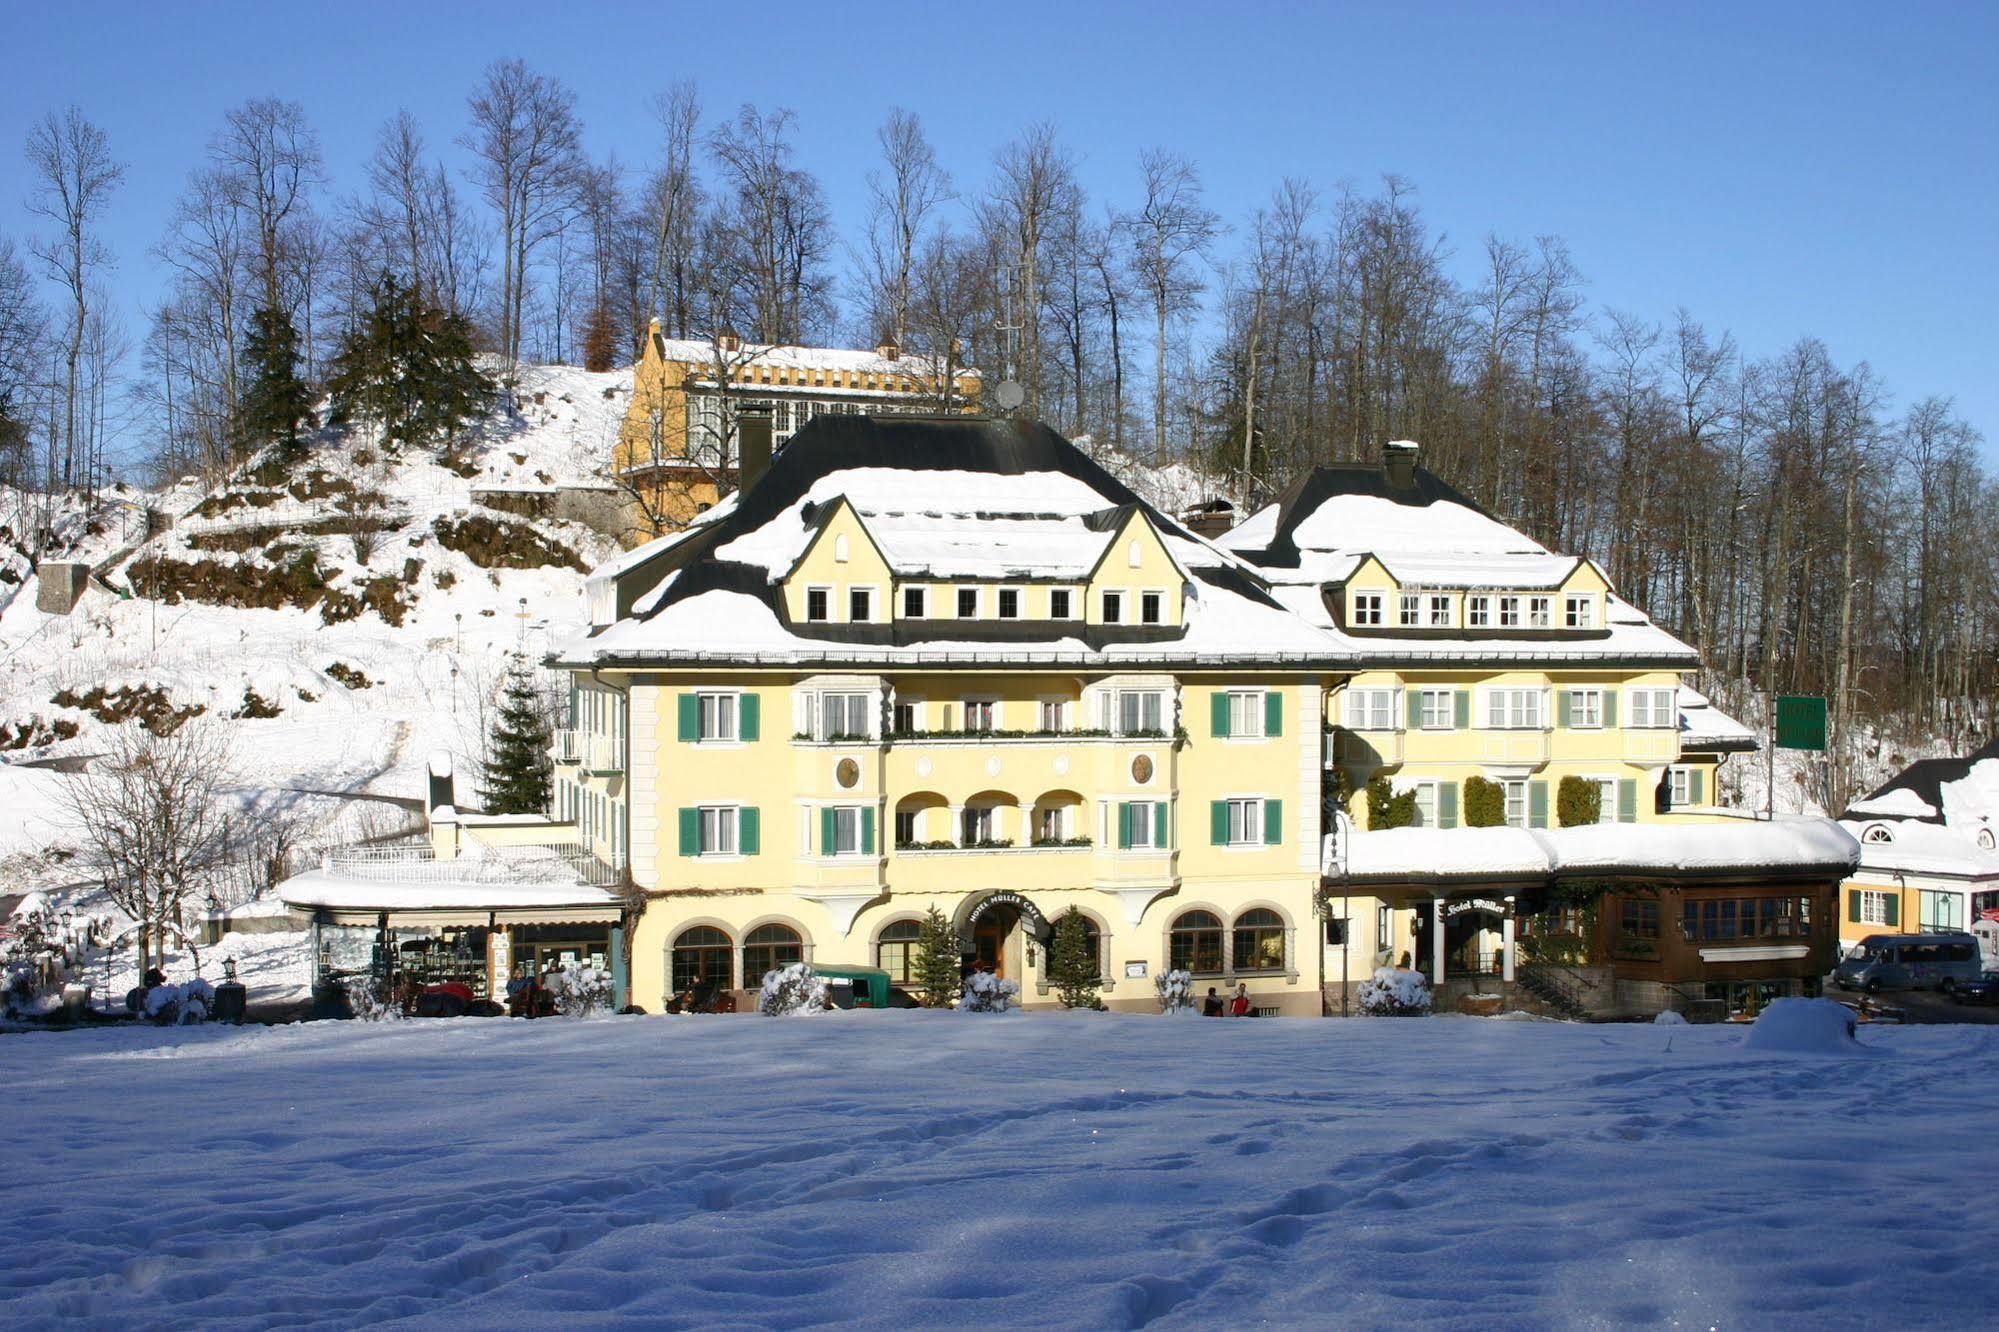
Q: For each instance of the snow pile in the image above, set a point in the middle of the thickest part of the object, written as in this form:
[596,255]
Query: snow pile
[791,990]
[1670,1018]
[1394,992]
[987,993]
[1804,1026]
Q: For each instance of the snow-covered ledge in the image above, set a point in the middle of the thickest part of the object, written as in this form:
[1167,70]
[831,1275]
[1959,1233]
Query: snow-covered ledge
[1757,953]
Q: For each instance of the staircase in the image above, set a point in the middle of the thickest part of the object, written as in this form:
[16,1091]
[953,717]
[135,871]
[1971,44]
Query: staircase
[1557,987]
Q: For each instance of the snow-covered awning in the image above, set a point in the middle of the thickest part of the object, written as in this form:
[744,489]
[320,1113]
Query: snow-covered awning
[423,901]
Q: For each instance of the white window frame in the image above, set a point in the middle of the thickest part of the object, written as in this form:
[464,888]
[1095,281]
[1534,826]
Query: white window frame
[1060,708]
[715,699]
[1051,824]
[864,590]
[1873,906]
[1540,612]
[1118,726]
[1112,602]
[851,815]
[915,706]
[1367,607]
[820,700]
[1144,810]
[921,596]
[1362,709]
[988,705]
[1426,801]
[1516,708]
[1652,708]
[825,590]
[1152,607]
[981,815]
[1245,821]
[1679,786]
[1579,611]
[1246,714]
[999,603]
[1437,710]
[726,822]
[1068,612]
[1439,615]
[1585,709]
[1409,610]
[1509,612]
[1516,797]
[1606,799]
[958,603]
[1478,611]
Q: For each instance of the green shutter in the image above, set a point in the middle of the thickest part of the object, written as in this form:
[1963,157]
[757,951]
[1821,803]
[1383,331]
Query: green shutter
[867,830]
[1696,787]
[1273,822]
[1273,713]
[1218,822]
[1461,710]
[1218,714]
[1537,804]
[1447,805]
[690,832]
[746,831]
[1162,836]
[826,831]
[748,707]
[690,718]
[1894,916]
[1853,905]
[1412,700]
[1610,707]
[1627,800]
[1124,826]
[1562,708]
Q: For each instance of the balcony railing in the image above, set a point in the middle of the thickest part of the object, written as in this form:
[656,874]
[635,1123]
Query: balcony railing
[557,863]
[604,755]
[567,746]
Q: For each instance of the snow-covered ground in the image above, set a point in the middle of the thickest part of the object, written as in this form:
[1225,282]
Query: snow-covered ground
[924,1170]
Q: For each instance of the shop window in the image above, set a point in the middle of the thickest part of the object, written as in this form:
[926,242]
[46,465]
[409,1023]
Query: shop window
[1195,943]
[701,953]
[768,947]
[1259,941]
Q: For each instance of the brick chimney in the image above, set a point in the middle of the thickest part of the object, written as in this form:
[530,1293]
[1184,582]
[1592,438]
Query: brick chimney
[1398,463]
[753,443]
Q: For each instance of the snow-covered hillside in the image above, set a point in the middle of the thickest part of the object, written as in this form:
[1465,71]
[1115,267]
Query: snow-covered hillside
[348,614]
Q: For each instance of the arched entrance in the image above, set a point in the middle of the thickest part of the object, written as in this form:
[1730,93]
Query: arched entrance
[995,928]
[1473,936]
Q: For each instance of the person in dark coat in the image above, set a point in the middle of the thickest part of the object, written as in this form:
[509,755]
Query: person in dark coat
[1212,1005]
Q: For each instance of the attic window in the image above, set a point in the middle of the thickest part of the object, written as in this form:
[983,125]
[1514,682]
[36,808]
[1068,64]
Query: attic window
[1985,842]
[1058,604]
[1113,607]
[968,603]
[816,600]
[912,603]
[1879,833]
[1009,603]
[840,549]
[1134,553]
[1151,607]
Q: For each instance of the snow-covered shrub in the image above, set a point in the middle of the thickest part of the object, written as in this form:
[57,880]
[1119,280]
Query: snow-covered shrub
[791,989]
[371,1002]
[1393,992]
[579,990]
[1670,1018]
[180,1005]
[1176,991]
[1804,1026]
[987,993]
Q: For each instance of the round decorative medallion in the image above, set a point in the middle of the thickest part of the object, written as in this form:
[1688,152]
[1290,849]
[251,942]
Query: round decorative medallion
[847,773]
[992,767]
[923,766]
[1141,769]
[1061,764]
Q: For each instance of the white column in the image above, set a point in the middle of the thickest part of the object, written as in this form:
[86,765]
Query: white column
[1026,836]
[1437,940]
[955,834]
[1506,944]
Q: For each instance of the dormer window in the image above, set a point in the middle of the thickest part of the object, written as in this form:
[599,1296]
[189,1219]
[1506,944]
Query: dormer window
[1009,603]
[1058,604]
[1440,612]
[968,603]
[860,604]
[1478,611]
[818,603]
[1579,612]
[1409,610]
[1509,612]
[1113,607]
[1151,607]
[1879,834]
[912,603]
[1540,612]
[1367,608]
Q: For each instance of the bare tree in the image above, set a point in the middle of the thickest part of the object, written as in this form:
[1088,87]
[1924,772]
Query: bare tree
[1167,230]
[776,229]
[268,158]
[902,197]
[672,203]
[1034,182]
[22,325]
[155,826]
[75,175]
[526,136]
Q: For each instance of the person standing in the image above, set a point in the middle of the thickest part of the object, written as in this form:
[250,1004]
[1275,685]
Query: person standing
[1239,1006]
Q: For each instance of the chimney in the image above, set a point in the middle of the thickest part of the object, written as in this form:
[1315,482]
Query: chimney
[1398,463]
[888,351]
[1209,519]
[753,443]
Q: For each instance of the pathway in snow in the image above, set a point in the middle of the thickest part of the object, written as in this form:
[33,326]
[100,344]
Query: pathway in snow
[905,1170]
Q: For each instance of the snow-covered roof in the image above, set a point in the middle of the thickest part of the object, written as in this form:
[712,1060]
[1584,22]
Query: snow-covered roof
[331,890]
[785,356]
[1703,726]
[1898,803]
[1914,846]
[1666,850]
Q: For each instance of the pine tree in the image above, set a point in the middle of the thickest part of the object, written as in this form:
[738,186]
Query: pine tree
[1070,966]
[937,961]
[276,402]
[519,768]
[408,370]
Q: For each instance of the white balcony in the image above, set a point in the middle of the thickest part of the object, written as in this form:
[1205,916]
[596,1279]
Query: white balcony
[1371,749]
[604,755]
[566,746]
[1514,747]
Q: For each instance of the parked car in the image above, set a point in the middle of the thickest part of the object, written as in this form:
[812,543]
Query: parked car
[1984,990]
[1911,962]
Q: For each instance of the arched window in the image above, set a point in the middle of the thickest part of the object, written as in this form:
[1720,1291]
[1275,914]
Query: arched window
[768,947]
[1259,941]
[1878,833]
[1195,943]
[895,951]
[701,953]
[1985,839]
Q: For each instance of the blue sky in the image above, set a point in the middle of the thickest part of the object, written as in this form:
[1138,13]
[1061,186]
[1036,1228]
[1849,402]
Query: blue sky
[1777,169]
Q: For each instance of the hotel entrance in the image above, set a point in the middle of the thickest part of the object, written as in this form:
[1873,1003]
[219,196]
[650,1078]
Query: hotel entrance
[997,930]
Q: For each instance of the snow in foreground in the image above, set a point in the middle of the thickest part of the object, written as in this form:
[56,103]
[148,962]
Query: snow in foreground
[917,1169]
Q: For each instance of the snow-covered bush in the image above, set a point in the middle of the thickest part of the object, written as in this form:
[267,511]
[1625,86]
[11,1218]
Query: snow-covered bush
[1393,992]
[987,993]
[370,1002]
[1670,1018]
[579,990]
[1804,1026]
[180,1005]
[1176,991]
[791,989]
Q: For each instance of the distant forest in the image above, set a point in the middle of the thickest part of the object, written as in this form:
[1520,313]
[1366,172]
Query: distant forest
[1765,503]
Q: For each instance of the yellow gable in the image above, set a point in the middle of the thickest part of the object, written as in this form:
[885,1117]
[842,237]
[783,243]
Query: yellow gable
[844,567]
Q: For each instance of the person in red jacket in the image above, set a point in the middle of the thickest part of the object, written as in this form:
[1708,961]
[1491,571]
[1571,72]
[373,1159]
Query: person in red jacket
[1239,1006]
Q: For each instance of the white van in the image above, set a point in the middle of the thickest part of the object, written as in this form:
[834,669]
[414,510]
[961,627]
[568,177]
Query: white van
[1910,962]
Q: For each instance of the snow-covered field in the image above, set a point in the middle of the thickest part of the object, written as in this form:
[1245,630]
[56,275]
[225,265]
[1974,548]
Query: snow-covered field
[925,1170]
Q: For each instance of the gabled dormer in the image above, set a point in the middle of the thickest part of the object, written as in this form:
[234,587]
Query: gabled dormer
[1135,582]
[841,578]
[1553,597]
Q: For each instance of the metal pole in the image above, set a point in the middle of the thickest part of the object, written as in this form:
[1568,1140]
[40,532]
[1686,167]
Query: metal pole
[1770,761]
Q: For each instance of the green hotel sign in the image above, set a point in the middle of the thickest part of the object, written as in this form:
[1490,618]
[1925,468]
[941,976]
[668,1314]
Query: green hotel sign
[1800,721]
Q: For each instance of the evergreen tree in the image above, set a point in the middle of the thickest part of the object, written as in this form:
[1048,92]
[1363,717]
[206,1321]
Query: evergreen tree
[937,961]
[519,768]
[1070,966]
[408,370]
[1578,801]
[276,401]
